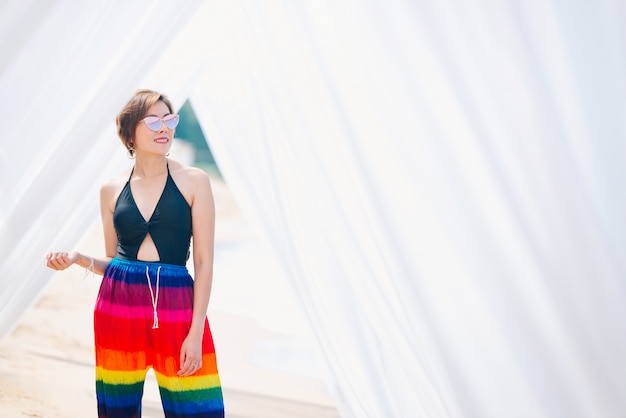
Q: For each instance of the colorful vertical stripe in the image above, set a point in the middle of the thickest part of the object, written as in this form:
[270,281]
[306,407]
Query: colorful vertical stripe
[127,346]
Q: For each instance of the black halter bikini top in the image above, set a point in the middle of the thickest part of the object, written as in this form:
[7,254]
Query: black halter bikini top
[169,226]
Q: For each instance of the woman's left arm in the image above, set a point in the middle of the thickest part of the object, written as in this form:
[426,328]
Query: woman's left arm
[203,228]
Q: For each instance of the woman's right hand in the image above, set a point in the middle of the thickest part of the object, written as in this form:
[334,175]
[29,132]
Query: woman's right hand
[61,260]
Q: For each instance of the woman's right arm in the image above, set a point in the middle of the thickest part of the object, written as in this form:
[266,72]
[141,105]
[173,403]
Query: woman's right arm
[63,260]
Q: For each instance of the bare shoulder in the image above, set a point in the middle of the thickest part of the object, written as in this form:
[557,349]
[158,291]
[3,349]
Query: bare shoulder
[188,177]
[192,182]
[110,189]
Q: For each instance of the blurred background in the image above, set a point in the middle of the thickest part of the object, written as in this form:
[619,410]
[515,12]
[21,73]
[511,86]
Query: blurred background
[420,203]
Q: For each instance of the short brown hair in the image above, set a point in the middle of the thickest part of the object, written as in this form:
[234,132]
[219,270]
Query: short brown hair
[134,112]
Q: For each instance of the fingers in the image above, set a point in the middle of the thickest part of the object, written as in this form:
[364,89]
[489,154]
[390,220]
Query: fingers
[189,368]
[190,365]
[58,260]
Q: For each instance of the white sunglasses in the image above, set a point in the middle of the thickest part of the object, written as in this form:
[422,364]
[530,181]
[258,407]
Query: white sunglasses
[154,123]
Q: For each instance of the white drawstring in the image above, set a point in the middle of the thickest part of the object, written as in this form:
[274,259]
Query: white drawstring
[155,300]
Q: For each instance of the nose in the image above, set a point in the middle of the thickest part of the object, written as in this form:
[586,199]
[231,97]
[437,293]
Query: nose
[163,127]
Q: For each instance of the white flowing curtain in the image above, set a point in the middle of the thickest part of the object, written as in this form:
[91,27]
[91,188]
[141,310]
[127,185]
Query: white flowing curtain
[441,180]
[67,69]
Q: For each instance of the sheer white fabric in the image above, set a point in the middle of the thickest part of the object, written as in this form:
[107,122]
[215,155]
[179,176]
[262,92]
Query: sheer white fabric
[67,69]
[442,181]
[439,180]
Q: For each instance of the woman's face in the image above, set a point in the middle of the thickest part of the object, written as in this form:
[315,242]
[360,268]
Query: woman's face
[157,141]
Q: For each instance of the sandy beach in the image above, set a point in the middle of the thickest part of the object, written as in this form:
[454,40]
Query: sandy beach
[269,368]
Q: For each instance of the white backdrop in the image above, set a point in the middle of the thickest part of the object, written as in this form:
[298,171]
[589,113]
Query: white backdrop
[442,180]
[67,69]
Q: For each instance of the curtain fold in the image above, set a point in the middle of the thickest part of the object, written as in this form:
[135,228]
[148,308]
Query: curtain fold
[436,179]
[70,68]
[442,181]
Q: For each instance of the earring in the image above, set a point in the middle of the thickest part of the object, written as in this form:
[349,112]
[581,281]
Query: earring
[131,153]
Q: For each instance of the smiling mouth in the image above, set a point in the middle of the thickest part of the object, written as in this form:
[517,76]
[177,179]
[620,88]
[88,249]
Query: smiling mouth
[161,140]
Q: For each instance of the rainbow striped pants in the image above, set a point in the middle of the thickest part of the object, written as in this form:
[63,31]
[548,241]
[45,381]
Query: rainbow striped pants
[142,315]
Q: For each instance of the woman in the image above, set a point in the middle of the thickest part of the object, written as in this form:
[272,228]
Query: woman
[149,311]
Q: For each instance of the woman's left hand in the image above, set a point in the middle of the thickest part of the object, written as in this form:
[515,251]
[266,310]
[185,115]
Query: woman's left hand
[190,356]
